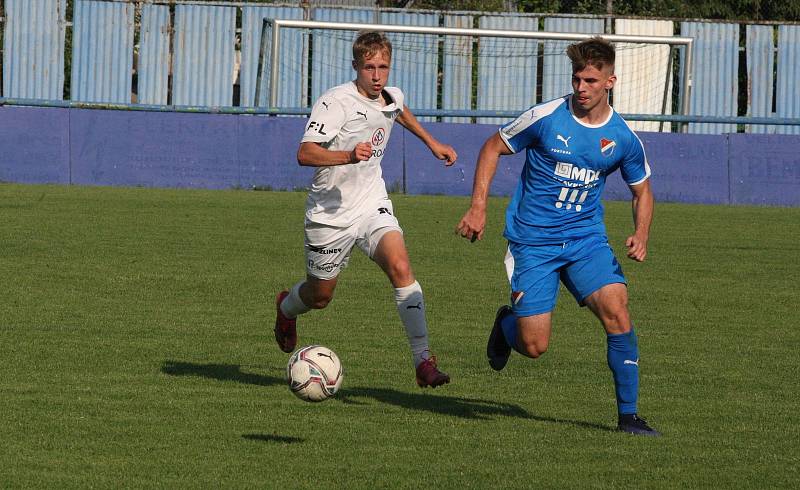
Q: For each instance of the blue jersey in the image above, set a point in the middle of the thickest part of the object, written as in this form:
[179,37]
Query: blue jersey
[567,161]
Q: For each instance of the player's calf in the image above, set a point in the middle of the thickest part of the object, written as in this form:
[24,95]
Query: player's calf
[498,350]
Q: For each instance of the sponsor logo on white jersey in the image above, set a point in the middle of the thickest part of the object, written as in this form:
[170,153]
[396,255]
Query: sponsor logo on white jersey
[378,137]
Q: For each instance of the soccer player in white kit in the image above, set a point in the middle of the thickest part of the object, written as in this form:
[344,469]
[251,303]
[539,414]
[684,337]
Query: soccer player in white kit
[345,139]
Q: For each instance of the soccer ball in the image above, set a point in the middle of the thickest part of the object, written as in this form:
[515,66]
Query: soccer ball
[314,373]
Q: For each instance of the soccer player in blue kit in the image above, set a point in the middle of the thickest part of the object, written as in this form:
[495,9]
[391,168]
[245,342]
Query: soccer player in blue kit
[554,221]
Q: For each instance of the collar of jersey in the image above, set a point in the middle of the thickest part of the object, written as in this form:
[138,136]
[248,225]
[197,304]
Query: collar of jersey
[387,108]
[599,125]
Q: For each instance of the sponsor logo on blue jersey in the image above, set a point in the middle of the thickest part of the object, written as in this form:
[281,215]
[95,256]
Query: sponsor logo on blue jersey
[573,172]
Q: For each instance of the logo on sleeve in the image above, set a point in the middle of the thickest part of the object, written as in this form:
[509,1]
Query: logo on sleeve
[607,147]
[316,127]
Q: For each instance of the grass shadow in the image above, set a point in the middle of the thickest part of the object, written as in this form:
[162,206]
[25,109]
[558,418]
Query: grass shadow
[219,372]
[273,438]
[469,408]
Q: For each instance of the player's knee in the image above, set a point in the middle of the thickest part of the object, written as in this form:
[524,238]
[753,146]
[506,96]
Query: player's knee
[534,348]
[617,321]
[399,272]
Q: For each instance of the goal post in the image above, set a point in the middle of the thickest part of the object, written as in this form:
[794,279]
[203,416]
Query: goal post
[656,67]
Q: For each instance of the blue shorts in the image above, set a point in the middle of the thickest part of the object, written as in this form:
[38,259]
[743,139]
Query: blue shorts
[583,265]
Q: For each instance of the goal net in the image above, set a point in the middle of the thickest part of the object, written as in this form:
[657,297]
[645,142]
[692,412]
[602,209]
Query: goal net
[481,77]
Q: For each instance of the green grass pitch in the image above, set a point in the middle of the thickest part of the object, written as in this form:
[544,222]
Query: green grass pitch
[136,351]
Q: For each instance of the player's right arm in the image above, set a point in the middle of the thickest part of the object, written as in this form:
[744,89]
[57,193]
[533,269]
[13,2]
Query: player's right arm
[327,118]
[312,154]
[474,221]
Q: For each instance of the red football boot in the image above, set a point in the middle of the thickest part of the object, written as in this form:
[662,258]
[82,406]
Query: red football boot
[285,328]
[429,375]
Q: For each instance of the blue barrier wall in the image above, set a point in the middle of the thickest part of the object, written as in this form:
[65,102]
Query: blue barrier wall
[34,145]
[216,151]
[765,169]
[686,168]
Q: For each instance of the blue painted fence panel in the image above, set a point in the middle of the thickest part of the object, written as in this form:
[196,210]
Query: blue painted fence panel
[154,57]
[414,59]
[102,51]
[293,58]
[333,53]
[344,3]
[457,69]
[203,49]
[507,67]
[33,49]
[787,91]
[715,74]
[760,65]
[557,70]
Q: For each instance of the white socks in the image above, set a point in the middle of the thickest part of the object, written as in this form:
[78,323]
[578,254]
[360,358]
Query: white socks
[411,307]
[292,305]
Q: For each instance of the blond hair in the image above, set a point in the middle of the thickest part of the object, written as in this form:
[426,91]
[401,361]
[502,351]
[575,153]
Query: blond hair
[368,43]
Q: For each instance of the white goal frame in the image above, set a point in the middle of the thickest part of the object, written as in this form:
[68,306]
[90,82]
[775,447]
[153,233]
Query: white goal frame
[278,24]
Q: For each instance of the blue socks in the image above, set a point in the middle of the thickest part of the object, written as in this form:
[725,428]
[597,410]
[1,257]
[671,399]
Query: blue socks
[623,360]
[509,324]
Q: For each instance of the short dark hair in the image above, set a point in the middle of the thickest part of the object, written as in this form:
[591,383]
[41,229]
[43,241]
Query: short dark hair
[595,51]
[368,43]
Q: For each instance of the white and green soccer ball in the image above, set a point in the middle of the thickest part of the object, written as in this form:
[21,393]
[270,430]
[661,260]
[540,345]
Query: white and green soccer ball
[314,373]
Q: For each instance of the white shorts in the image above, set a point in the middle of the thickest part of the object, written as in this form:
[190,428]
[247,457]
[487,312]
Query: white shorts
[328,248]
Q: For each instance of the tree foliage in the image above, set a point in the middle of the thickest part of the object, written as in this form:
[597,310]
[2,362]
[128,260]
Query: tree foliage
[733,10]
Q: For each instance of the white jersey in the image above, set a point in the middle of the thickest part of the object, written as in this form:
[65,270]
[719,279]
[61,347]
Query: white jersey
[340,119]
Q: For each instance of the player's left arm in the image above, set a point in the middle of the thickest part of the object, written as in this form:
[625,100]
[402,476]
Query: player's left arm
[440,150]
[642,203]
